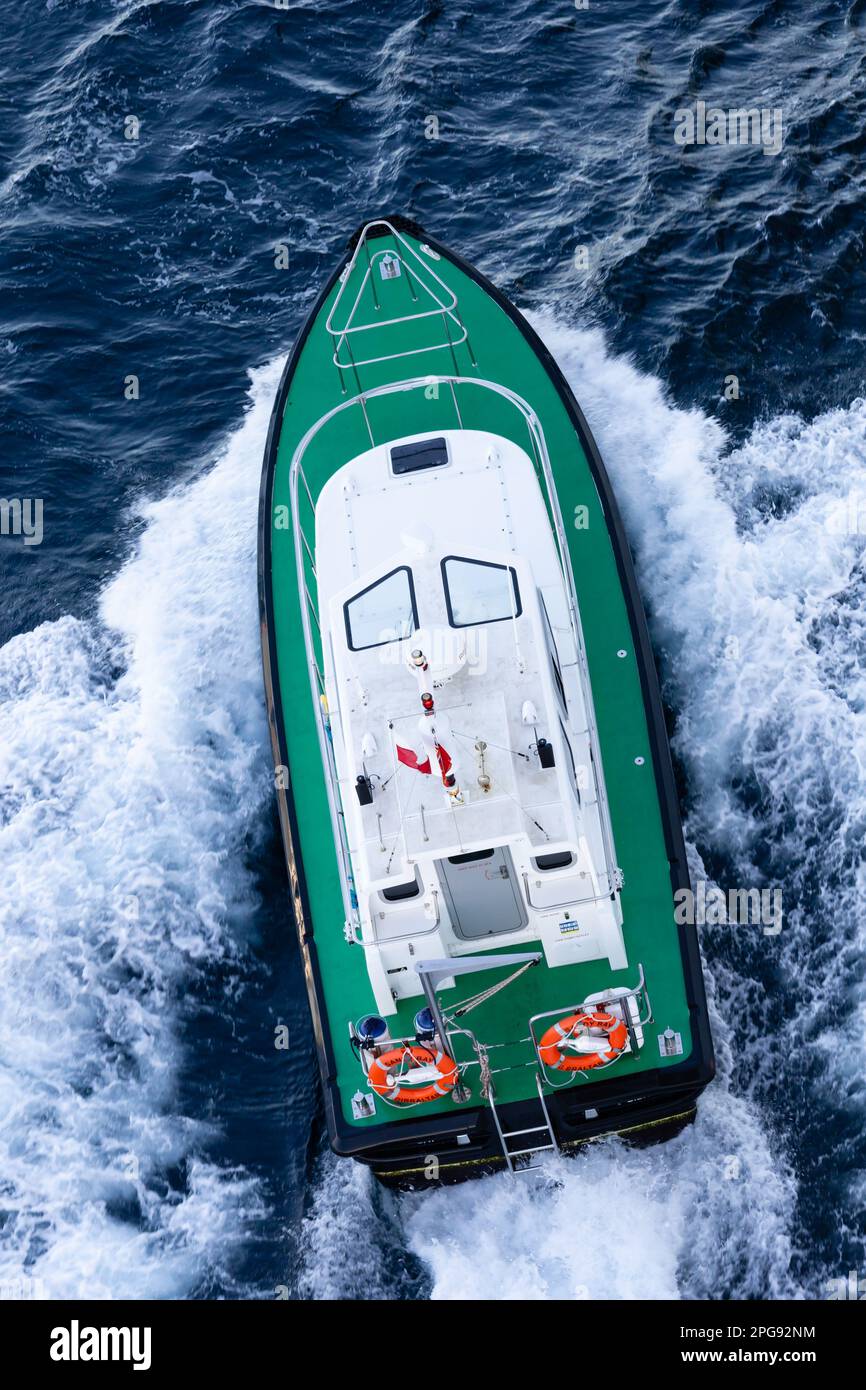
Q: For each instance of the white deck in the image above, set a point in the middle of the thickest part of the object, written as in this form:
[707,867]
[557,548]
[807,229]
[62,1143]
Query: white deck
[484,505]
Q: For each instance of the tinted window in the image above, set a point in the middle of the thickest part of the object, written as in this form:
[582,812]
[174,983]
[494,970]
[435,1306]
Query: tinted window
[401,891]
[424,453]
[478,592]
[554,861]
[383,612]
[554,658]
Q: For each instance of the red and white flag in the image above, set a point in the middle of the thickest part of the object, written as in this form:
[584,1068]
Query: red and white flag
[410,758]
[432,752]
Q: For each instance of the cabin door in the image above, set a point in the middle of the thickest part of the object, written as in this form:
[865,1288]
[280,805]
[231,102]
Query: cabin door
[482,893]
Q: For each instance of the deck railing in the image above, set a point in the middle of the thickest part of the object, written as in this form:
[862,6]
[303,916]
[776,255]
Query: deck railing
[439,299]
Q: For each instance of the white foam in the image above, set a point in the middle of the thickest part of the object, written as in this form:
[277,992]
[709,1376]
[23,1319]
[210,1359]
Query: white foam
[705,1215]
[756,612]
[126,806]
[127,803]
[350,1244]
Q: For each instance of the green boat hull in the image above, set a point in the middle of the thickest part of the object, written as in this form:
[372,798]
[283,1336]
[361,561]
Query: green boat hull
[647,1093]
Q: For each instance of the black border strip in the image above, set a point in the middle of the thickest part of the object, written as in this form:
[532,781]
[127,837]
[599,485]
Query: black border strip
[699,1068]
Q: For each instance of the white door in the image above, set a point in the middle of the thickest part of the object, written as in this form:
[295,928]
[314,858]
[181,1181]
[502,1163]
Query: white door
[482,894]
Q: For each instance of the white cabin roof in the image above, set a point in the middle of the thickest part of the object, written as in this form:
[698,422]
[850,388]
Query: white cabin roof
[483,505]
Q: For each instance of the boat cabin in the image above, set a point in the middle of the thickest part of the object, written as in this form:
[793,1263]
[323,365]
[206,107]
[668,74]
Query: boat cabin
[472,802]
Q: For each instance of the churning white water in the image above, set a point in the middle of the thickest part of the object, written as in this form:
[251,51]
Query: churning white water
[749,558]
[133,765]
[134,769]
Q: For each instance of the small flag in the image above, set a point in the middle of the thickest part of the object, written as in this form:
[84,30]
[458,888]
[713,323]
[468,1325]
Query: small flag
[410,758]
[444,759]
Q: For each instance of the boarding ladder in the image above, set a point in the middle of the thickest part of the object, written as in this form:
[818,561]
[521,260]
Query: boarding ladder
[530,1151]
[544,1137]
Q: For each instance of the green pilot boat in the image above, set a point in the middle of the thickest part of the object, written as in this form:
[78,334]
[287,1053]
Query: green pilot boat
[474,781]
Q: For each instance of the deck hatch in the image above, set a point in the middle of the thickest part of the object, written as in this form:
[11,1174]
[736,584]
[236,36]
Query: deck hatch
[482,894]
[560,860]
[399,892]
[414,458]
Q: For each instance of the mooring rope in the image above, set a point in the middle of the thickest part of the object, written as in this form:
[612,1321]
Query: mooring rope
[483,1068]
[469,1004]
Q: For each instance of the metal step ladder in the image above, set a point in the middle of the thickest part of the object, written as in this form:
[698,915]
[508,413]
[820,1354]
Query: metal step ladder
[530,1150]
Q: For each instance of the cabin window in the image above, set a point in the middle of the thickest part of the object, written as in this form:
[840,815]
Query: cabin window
[568,748]
[561,860]
[554,655]
[399,892]
[477,591]
[383,612]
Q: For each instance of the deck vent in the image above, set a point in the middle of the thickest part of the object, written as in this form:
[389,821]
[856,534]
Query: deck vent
[414,458]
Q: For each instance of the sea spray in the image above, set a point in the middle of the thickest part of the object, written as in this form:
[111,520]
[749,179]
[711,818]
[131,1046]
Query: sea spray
[133,767]
[755,595]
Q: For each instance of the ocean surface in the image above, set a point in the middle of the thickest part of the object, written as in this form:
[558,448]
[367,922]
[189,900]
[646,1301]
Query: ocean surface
[153,1143]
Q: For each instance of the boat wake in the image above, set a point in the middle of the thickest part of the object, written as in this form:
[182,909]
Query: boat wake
[750,561]
[133,776]
[708,1215]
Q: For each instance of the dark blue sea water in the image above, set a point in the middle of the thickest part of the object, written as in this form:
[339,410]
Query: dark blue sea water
[153,1143]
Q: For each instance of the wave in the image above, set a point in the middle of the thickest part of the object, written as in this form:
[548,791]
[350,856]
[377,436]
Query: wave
[134,776]
[751,567]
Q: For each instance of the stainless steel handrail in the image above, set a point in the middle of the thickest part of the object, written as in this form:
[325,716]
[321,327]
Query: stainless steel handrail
[645,1016]
[576,903]
[446,307]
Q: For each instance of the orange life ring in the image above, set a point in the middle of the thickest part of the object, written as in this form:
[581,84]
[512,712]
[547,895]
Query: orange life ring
[383,1081]
[550,1047]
